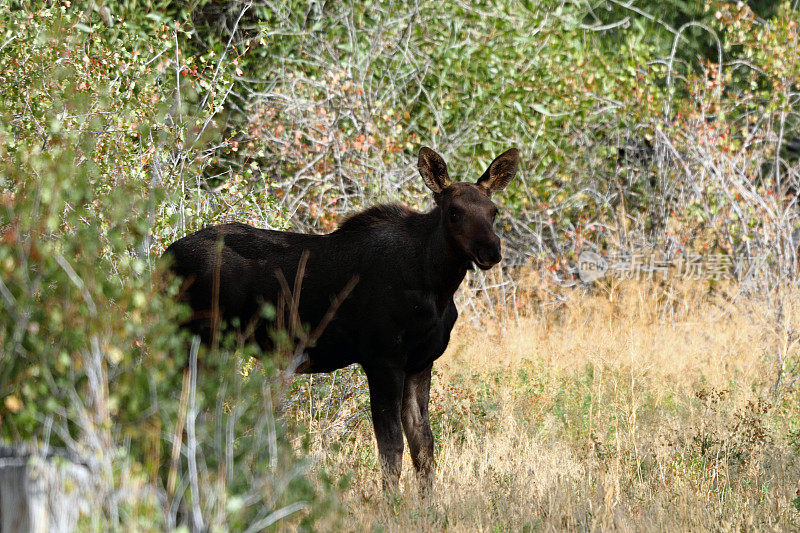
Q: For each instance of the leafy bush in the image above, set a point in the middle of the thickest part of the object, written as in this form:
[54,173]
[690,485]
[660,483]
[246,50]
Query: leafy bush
[127,125]
[619,111]
[100,137]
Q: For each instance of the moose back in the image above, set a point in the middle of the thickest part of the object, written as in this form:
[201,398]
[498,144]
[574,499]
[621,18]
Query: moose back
[388,272]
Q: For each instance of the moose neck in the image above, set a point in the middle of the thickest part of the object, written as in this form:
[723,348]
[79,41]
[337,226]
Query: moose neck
[445,264]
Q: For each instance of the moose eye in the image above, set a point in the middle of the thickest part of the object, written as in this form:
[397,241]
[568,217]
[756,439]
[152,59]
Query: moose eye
[454,214]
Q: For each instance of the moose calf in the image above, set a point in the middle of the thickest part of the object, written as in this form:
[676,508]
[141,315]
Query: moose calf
[402,268]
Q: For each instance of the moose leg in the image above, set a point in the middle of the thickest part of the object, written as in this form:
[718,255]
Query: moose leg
[417,426]
[386,395]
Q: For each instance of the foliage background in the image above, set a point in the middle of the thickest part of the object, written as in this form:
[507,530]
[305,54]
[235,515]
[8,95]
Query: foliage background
[668,126]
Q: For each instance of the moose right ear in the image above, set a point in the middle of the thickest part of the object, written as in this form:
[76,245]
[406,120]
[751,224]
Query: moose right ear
[500,172]
[433,170]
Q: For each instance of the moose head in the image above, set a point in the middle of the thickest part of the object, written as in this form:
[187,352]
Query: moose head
[467,209]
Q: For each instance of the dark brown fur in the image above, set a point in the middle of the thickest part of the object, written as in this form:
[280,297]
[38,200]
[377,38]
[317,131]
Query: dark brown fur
[397,319]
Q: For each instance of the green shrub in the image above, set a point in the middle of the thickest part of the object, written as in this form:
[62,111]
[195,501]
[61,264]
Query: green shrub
[99,138]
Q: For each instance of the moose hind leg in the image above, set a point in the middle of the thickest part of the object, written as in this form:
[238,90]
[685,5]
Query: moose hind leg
[386,396]
[416,424]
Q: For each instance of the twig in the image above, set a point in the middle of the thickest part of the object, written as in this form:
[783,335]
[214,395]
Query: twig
[191,438]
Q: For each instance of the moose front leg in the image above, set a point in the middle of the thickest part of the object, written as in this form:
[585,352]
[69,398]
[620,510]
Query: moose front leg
[386,396]
[417,426]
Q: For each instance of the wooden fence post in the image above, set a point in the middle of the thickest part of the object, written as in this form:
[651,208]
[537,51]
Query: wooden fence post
[41,492]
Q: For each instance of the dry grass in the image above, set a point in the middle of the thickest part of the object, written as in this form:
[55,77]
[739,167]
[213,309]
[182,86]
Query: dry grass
[636,407]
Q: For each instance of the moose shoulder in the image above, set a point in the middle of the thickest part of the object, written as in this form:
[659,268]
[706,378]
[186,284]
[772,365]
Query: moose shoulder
[401,267]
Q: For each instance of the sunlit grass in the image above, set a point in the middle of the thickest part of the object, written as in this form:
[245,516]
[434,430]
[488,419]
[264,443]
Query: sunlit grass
[637,407]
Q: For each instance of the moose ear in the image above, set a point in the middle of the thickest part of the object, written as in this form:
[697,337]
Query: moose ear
[433,170]
[500,172]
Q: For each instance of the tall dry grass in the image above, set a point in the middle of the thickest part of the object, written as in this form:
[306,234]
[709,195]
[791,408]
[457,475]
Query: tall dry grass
[634,406]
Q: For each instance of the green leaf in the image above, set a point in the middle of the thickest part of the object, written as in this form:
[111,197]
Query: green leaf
[539,108]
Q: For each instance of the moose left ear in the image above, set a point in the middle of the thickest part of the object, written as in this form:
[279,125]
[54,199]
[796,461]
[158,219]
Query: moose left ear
[433,170]
[500,172]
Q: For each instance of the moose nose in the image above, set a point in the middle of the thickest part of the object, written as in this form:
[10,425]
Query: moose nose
[488,255]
